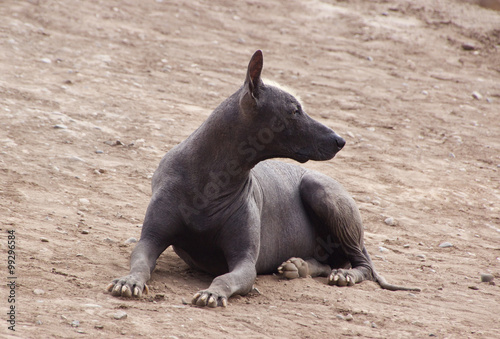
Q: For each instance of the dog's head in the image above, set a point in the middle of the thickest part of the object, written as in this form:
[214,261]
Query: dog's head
[279,123]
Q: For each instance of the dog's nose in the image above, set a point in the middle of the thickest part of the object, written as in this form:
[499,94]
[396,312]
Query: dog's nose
[340,142]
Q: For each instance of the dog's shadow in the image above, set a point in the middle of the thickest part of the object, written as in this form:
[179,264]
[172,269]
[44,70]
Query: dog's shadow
[174,278]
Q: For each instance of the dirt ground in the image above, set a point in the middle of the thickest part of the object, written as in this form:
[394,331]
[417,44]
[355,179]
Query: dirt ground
[93,93]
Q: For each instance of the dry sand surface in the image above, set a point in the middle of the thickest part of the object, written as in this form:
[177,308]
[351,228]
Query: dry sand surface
[93,93]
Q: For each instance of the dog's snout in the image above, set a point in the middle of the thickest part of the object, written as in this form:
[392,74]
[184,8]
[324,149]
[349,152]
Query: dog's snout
[340,142]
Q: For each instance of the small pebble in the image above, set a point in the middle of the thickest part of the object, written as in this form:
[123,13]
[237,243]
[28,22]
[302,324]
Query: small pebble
[475,288]
[446,244]
[468,47]
[75,323]
[421,256]
[131,240]
[406,246]
[109,240]
[390,221]
[477,95]
[340,316]
[39,322]
[120,315]
[84,201]
[114,143]
[46,60]
[42,239]
[92,305]
[99,327]
[60,126]
[383,249]
[38,291]
[349,317]
[99,151]
[485,277]
[184,302]
[85,232]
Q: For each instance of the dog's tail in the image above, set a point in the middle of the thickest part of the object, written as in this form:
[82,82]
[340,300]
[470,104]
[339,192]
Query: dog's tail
[385,285]
[381,280]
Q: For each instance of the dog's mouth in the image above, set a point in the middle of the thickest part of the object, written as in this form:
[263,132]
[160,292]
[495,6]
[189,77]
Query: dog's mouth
[301,157]
[320,151]
[320,154]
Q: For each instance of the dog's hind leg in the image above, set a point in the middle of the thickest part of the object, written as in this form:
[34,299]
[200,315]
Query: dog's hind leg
[336,216]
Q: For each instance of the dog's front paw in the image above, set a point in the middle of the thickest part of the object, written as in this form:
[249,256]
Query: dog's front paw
[294,268]
[210,299]
[127,287]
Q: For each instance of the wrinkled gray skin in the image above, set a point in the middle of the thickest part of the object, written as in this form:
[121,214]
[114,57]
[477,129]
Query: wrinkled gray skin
[228,212]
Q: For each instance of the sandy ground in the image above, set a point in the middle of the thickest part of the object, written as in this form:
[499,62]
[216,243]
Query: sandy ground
[93,93]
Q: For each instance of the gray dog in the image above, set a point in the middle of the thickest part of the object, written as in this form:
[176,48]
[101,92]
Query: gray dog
[229,212]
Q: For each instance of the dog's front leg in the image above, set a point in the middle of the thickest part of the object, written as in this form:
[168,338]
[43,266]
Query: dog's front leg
[238,281]
[240,241]
[159,229]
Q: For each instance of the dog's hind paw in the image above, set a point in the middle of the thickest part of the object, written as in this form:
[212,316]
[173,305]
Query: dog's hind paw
[294,268]
[341,277]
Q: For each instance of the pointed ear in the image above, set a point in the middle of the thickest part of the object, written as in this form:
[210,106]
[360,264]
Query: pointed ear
[253,81]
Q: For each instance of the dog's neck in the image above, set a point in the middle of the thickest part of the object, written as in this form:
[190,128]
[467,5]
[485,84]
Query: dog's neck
[219,154]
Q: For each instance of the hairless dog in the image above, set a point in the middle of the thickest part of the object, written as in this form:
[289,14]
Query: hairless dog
[229,211]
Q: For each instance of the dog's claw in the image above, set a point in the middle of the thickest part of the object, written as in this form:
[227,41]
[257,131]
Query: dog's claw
[137,292]
[110,286]
[126,292]
[116,290]
[212,302]
[195,298]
